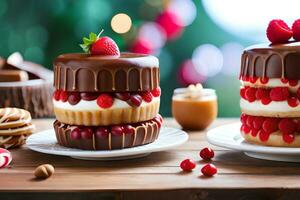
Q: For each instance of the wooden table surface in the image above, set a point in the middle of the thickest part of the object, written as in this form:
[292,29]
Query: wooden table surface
[157,176]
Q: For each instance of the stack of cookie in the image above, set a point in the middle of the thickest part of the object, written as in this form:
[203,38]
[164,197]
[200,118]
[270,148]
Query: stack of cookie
[15,127]
[106,102]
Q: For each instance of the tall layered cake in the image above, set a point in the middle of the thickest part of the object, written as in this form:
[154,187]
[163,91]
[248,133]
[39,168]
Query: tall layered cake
[106,102]
[270,94]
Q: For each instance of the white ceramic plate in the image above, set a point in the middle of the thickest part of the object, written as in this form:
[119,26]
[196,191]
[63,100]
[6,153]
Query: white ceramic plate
[228,136]
[45,142]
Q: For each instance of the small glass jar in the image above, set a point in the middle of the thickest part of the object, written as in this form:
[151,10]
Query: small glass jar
[194,109]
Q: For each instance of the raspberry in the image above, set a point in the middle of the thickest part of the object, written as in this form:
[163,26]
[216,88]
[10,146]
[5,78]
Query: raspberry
[263,136]
[270,125]
[266,100]
[147,96]
[105,101]
[246,129]
[253,79]
[254,132]
[242,93]
[209,170]
[258,122]
[187,165]
[56,95]
[262,93]
[244,118]
[279,93]
[207,153]
[293,101]
[288,138]
[296,30]
[287,126]
[284,80]
[278,31]
[74,98]
[63,96]
[250,120]
[250,94]
[156,92]
[264,80]
[293,82]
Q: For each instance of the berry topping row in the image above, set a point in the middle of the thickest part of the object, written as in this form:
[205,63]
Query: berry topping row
[265,80]
[106,100]
[267,95]
[79,132]
[265,126]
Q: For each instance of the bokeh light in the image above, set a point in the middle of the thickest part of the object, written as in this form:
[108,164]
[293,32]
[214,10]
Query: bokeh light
[208,60]
[171,23]
[188,74]
[185,9]
[231,58]
[121,23]
[153,33]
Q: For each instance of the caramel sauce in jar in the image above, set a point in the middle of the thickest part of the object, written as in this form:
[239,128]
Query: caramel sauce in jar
[194,109]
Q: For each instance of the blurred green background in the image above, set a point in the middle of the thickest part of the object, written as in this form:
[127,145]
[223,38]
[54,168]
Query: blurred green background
[41,30]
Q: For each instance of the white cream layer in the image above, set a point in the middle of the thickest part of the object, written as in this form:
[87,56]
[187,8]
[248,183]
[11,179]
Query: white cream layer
[274,106]
[273,82]
[92,105]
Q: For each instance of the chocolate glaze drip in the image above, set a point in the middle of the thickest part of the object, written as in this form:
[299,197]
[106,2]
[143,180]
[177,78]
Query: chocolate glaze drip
[85,73]
[272,61]
[145,133]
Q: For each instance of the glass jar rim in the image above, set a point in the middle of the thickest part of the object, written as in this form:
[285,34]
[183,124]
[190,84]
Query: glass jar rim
[204,91]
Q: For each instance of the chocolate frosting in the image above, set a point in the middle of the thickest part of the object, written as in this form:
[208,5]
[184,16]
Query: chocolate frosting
[272,61]
[86,73]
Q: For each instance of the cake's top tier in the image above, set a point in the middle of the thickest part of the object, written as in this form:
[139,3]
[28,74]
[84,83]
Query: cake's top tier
[272,61]
[86,73]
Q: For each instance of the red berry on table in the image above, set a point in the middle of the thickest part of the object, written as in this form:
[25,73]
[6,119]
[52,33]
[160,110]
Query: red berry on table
[117,130]
[287,126]
[278,31]
[89,96]
[209,170]
[87,133]
[187,165]
[105,101]
[270,125]
[128,129]
[156,92]
[56,95]
[250,94]
[279,93]
[296,30]
[124,96]
[135,100]
[293,101]
[63,96]
[207,153]
[147,96]
[258,122]
[102,132]
[76,134]
[142,46]
[74,98]
[97,45]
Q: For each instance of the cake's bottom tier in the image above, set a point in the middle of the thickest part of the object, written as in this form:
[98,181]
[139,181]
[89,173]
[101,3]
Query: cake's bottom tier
[108,137]
[281,132]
